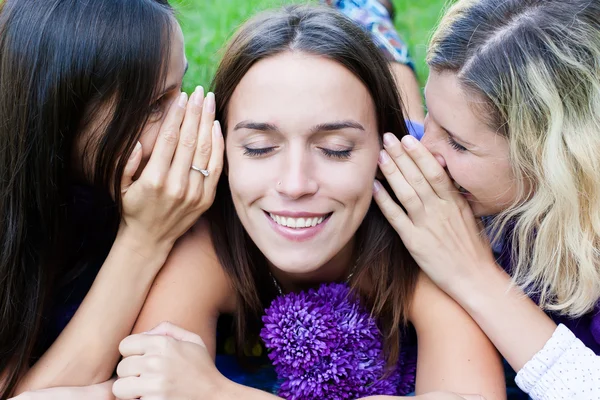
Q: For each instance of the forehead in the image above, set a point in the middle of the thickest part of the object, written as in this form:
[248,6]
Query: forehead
[293,87]
[177,59]
[454,108]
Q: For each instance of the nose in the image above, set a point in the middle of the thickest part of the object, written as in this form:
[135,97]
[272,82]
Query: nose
[434,143]
[297,179]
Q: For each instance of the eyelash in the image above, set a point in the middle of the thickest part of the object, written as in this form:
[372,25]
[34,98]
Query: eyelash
[455,145]
[339,154]
[157,107]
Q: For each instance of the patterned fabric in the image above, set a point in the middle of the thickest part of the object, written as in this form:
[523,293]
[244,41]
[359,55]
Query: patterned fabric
[372,16]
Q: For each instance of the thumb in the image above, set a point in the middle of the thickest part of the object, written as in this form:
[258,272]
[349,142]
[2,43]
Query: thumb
[131,167]
[168,329]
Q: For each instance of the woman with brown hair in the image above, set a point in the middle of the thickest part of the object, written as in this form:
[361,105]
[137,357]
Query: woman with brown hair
[305,97]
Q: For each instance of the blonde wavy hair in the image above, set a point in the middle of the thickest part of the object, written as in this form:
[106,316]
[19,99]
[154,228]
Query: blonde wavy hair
[535,67]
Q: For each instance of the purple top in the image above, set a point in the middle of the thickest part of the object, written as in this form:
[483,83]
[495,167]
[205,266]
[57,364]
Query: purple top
[586,328]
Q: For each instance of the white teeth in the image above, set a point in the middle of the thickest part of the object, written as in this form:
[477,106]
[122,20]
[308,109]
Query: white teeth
[296,222]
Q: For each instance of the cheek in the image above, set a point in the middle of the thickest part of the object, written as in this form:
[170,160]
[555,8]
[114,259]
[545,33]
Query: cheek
[148,139]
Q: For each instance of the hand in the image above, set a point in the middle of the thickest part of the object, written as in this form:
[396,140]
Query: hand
[438,226]
[100,391]
[169,196]
[167,363]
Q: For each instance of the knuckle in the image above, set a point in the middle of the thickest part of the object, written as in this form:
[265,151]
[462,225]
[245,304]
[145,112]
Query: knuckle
[188,141]
[419,180]
[170,135]
[153,185]
[204,148]
[177,192]
[439,177]
[154,364]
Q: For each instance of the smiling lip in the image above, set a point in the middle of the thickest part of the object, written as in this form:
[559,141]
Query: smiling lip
[311,224]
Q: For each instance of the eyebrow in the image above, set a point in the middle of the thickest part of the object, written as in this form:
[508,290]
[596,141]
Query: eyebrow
[451,134]
[457,138]
[174,86]
[324,127]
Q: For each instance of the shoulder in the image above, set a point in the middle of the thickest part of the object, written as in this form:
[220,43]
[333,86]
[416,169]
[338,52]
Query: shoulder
[191,287]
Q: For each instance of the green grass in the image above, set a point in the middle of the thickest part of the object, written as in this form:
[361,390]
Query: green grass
[207,24]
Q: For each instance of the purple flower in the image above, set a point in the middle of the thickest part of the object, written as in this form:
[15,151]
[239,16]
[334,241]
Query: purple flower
[324,344]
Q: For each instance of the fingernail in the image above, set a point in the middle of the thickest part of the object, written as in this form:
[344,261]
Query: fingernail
[409,142]
[376,186]
[183,98]
[217,129]
[389,139]
[383,157]
[136,149]
[199,96]
[209,104]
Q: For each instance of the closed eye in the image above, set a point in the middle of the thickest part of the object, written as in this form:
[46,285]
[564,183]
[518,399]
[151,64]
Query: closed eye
[257,152]
[455,145]
[339,154]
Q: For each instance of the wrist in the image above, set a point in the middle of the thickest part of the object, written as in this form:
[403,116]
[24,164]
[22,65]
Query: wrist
[488,279]
[141,245]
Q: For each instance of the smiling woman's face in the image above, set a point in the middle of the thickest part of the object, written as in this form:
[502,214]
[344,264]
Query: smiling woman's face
[475,157]
[302,148]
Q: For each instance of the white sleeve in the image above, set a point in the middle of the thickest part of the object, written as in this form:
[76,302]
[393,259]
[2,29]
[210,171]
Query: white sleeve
[564,369]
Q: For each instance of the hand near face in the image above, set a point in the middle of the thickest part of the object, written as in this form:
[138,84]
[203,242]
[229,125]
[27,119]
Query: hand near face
[438,226]
[174,188]
[167,362]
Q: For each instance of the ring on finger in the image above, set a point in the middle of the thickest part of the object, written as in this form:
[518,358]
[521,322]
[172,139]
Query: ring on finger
[202,171]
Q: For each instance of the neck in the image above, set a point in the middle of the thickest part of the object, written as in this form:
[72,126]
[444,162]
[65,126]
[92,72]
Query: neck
[337,269]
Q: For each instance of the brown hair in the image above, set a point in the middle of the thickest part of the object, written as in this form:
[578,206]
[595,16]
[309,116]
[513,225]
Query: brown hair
[385,274]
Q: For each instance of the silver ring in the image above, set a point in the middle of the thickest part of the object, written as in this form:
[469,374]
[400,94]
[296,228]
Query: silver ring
[202,171]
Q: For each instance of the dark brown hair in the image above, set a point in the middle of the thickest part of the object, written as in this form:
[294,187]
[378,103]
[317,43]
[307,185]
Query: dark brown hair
[61,61]
[385,274]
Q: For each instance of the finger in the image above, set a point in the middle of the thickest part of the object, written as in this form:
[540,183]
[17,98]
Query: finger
[430,168]
[215,165]
[408,168]
[402,189]
[391,211]
[175,332]
[180,169]
[204,146]
[133,387]
[141,344]
[166,142]
[133,163]
[130,366]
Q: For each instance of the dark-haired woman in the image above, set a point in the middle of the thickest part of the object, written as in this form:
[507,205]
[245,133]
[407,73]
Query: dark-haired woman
[104,163]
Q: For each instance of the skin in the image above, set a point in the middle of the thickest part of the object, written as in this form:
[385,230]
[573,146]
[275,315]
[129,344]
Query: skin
[437,216]
[192,289]
[474,155]
[158,207]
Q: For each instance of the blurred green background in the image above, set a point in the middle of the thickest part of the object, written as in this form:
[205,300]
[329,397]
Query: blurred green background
[207,24]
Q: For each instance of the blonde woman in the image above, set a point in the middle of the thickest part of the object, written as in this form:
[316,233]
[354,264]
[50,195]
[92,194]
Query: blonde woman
[514,124]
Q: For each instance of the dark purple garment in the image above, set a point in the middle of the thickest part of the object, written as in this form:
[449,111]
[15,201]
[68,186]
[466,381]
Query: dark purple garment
[586,328]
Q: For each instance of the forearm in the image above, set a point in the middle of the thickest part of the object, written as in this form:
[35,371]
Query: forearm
[86,352]
[235,391]
[512,321]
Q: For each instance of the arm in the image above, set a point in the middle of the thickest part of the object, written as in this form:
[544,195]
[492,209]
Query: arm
[157,208]
[454,355]
[438,217]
